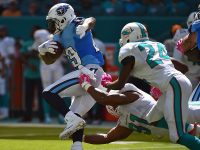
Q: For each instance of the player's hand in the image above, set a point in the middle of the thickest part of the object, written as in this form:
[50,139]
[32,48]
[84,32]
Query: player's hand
[47,46]
[105,79]
[81,30]
[86,71]
[179,46]
[84,81]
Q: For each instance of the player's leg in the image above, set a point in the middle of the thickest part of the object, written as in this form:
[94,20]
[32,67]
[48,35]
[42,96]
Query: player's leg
[38,84]
[176,111]
[29,95]
[80,105]
[3,99]
[68,86]
[46,75]
[64,87]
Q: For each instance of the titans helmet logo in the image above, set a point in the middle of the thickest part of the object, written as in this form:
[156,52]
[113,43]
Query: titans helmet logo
[62,10]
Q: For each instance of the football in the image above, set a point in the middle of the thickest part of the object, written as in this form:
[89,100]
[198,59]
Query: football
[58,51]
[50,58]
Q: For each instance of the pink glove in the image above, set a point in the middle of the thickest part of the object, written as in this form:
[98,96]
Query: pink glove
[105,79]
[84,81]
[179,46]
[155,93]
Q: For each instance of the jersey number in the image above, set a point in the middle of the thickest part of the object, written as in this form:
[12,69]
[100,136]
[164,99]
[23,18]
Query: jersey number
[157,53]
[139,129]
[72,55]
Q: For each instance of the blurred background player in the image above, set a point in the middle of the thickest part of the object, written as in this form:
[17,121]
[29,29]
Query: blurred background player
[49,73]
[75,36]
[33,83]
[194,67]
[189,46]
[7,45]
[170,43]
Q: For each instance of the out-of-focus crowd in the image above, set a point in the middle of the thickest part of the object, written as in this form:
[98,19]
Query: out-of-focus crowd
[101,7]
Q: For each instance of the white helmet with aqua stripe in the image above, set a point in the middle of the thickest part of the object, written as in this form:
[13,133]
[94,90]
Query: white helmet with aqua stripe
[133,32]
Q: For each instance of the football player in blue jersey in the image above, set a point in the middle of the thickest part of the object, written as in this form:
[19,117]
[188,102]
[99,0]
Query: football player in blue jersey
[75,36]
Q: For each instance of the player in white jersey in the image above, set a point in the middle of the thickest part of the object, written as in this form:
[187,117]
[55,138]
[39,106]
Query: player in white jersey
[49,73]
[7,51]
[149,60]
[131,105]
[194,67]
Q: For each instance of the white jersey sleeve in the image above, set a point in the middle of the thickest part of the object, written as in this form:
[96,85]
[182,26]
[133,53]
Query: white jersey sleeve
[126,51]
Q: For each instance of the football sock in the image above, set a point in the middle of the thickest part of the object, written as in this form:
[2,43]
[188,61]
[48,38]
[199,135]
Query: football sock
[56,102]
[191,142]
[78,135]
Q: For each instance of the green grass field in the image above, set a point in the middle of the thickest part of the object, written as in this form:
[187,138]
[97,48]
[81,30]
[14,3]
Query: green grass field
[39,137]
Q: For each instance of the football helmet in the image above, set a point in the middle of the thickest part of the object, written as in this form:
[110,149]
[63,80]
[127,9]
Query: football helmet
[59,17]
[191,18]
[133,32]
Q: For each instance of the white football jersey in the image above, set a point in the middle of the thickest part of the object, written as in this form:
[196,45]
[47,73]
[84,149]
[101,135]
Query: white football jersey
[7,47]
[151,62]
[133,115]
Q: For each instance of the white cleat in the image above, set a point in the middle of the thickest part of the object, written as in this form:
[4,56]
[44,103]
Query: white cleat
[77,146]
[74,123]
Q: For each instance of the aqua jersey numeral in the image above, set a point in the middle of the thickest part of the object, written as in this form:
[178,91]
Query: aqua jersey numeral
[72,55]
[157,53]
[140,129]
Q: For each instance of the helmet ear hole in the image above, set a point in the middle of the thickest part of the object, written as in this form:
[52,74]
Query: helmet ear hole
[62,21]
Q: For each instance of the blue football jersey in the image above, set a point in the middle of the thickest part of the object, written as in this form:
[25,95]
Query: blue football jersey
[79,51]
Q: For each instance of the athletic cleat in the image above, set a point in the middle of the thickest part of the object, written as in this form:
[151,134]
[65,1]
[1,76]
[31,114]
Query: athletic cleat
[74,123]
[77,146]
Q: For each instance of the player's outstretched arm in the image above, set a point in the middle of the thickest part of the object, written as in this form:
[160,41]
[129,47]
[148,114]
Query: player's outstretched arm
[90,22]
[87,24]
[127,67]
[105,98]
[115,134]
